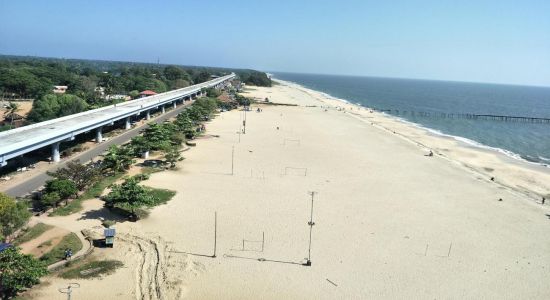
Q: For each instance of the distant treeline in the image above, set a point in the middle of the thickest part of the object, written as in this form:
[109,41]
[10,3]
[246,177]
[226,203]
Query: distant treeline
[254,78]
[35,77]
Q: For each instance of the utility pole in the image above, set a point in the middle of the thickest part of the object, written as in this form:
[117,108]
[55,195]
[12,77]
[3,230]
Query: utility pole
[244,121]
[215,232]
[310,223]
[232,157]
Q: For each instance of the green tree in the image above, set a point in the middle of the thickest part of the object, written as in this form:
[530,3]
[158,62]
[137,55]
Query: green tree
[111,83]
[50,199]
[65,188]
[13,215]
[130,196]
[134,94]
[118,159]
[172,156]
[23,82]
[179,83]
[173,73]
[212,92]
[201,76]
[10,111]
[158,136]
[241,100]
[70,104]
[140,145]
[54,106]
[177,138]
[254,78]
[184,124]
[18,272]
[82,175]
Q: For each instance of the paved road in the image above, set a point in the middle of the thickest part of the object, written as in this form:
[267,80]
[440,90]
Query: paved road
[38,180]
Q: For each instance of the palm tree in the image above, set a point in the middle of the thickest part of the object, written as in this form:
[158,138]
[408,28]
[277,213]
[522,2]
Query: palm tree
[10,111]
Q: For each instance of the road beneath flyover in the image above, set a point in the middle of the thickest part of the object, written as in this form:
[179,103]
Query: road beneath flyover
[36,181]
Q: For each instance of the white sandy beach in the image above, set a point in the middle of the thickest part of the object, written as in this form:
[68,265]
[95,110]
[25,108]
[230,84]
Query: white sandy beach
[390,223]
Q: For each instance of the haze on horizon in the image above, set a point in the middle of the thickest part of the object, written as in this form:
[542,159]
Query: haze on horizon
[480,41]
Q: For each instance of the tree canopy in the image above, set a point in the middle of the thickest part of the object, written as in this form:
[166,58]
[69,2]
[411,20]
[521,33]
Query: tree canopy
[18,272]
[65,188]
[81,175]
[35,77]
[54,106]
[254,78]
[13,215]
[118,159]
[130,196]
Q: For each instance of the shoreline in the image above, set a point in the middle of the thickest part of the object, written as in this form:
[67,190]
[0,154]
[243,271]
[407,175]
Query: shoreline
[433,131]
[535,192]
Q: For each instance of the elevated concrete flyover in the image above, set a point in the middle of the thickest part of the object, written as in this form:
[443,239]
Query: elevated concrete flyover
[25,139]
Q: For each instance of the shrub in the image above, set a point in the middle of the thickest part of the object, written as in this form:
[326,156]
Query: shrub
[65,188]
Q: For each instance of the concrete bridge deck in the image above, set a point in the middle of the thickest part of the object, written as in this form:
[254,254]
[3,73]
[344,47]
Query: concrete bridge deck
[22,140]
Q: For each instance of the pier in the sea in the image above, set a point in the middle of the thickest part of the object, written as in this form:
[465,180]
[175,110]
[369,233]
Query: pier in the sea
[490,117]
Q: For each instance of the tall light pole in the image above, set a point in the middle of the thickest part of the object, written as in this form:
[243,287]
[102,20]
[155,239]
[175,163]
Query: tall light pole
[244,121]
[310,223]
[215,233]
[232,158]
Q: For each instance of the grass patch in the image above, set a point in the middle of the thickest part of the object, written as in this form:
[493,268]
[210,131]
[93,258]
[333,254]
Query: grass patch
[46,243]
[151,170]
[93,192]
[32,233]
[162,195]
[92,269]
[70,241]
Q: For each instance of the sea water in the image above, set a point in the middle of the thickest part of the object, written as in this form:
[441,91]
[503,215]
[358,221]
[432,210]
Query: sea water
[528,141]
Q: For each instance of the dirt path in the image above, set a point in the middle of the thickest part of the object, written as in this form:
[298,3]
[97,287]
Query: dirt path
[54,235]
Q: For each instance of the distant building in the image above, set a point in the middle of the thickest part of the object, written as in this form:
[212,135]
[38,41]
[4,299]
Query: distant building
[146,93]
[118,97]
[60,89]
[100,91]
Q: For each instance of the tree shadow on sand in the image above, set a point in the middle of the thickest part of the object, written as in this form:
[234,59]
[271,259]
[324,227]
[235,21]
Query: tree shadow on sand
[103,214]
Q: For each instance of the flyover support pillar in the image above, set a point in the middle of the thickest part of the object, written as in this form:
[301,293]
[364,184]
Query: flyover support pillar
[127,124]
[148,115]
[98,135]
[174,103]
[163,109]
[56,157]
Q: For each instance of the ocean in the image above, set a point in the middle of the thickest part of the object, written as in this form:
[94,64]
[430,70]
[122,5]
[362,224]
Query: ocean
[522,140]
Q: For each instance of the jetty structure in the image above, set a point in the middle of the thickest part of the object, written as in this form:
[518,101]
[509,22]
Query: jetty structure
[491,117]
[53,132]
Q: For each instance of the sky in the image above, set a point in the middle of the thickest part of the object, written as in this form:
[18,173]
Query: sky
[480,41]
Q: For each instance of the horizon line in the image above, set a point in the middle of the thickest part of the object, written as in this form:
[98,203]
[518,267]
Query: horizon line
[413,78]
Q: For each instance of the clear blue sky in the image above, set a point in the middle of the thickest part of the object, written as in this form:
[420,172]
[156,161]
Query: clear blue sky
[485,41]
